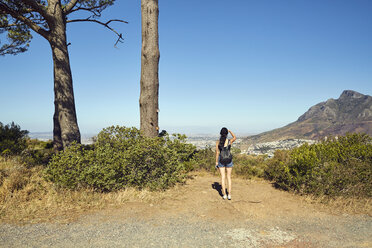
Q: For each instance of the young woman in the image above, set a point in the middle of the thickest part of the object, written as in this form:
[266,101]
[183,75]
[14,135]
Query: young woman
[224,169]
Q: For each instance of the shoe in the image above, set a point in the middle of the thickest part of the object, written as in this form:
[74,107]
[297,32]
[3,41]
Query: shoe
[229,197]
[224,197]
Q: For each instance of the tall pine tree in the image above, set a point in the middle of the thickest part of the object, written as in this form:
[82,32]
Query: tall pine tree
[49,18]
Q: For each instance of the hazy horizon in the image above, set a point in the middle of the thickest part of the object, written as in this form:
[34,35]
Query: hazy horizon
[189,132]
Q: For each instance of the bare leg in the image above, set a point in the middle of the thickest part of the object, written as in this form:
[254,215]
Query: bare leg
[229,179]
[223,179]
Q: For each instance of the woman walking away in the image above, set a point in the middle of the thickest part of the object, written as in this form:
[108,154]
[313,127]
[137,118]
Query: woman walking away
[224,160]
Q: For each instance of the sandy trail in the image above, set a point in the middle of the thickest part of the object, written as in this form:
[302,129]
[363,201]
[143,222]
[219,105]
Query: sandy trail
[195,215]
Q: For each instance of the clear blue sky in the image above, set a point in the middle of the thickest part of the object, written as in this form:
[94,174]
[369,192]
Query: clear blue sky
[249,65]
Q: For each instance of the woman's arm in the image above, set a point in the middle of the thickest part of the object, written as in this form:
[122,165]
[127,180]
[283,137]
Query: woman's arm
[217,152]
[233,135]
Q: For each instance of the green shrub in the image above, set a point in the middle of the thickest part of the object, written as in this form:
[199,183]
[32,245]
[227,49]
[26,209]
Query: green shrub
[12,139]
[204,159]
[33,157]
[38,152]
[36,144]
[120,158]
[249,166]
[277,169]
[336,167]
[235,150]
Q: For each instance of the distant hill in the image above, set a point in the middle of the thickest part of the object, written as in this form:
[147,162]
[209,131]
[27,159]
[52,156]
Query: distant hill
[351,112]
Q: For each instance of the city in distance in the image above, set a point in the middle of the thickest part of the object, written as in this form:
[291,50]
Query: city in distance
[199,140]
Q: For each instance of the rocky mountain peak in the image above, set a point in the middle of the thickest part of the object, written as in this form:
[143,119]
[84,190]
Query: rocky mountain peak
[349,94]
[351,112]
[349,106]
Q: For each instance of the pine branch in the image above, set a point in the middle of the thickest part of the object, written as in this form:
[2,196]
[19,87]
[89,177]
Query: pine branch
[37,8]
[91,10]
[105,24]
[70,6]
[5,9]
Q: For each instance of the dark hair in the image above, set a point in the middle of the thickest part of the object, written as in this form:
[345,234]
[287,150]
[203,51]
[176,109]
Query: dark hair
[224,132]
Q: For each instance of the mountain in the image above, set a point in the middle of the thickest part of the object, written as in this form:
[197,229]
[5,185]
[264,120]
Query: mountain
[351,112]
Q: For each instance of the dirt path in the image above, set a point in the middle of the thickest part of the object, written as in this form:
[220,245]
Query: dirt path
[194,215]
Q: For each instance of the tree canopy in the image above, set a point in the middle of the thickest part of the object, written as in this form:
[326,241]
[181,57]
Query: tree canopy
[19,17]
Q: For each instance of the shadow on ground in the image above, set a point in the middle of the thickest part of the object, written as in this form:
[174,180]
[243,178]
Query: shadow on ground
[217,186]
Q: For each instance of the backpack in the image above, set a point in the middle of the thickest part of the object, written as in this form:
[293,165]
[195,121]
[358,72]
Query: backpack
[225,155]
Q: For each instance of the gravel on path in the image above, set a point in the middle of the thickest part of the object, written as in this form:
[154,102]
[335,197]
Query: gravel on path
[194,215]
[186,231]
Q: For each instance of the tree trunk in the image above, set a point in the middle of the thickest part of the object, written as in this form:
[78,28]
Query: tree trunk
[149,96]
[57,138]
[66,129]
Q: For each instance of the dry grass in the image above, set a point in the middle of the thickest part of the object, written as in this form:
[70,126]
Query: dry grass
[342,205]
[25,197]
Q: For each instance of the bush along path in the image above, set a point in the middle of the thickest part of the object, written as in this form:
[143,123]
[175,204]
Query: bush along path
[194,215]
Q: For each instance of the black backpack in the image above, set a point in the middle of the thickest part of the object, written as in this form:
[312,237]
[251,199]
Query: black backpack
[225,155]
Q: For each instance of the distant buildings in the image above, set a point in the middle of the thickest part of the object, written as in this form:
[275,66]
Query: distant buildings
[267,148]
[270,147]
[202,142]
